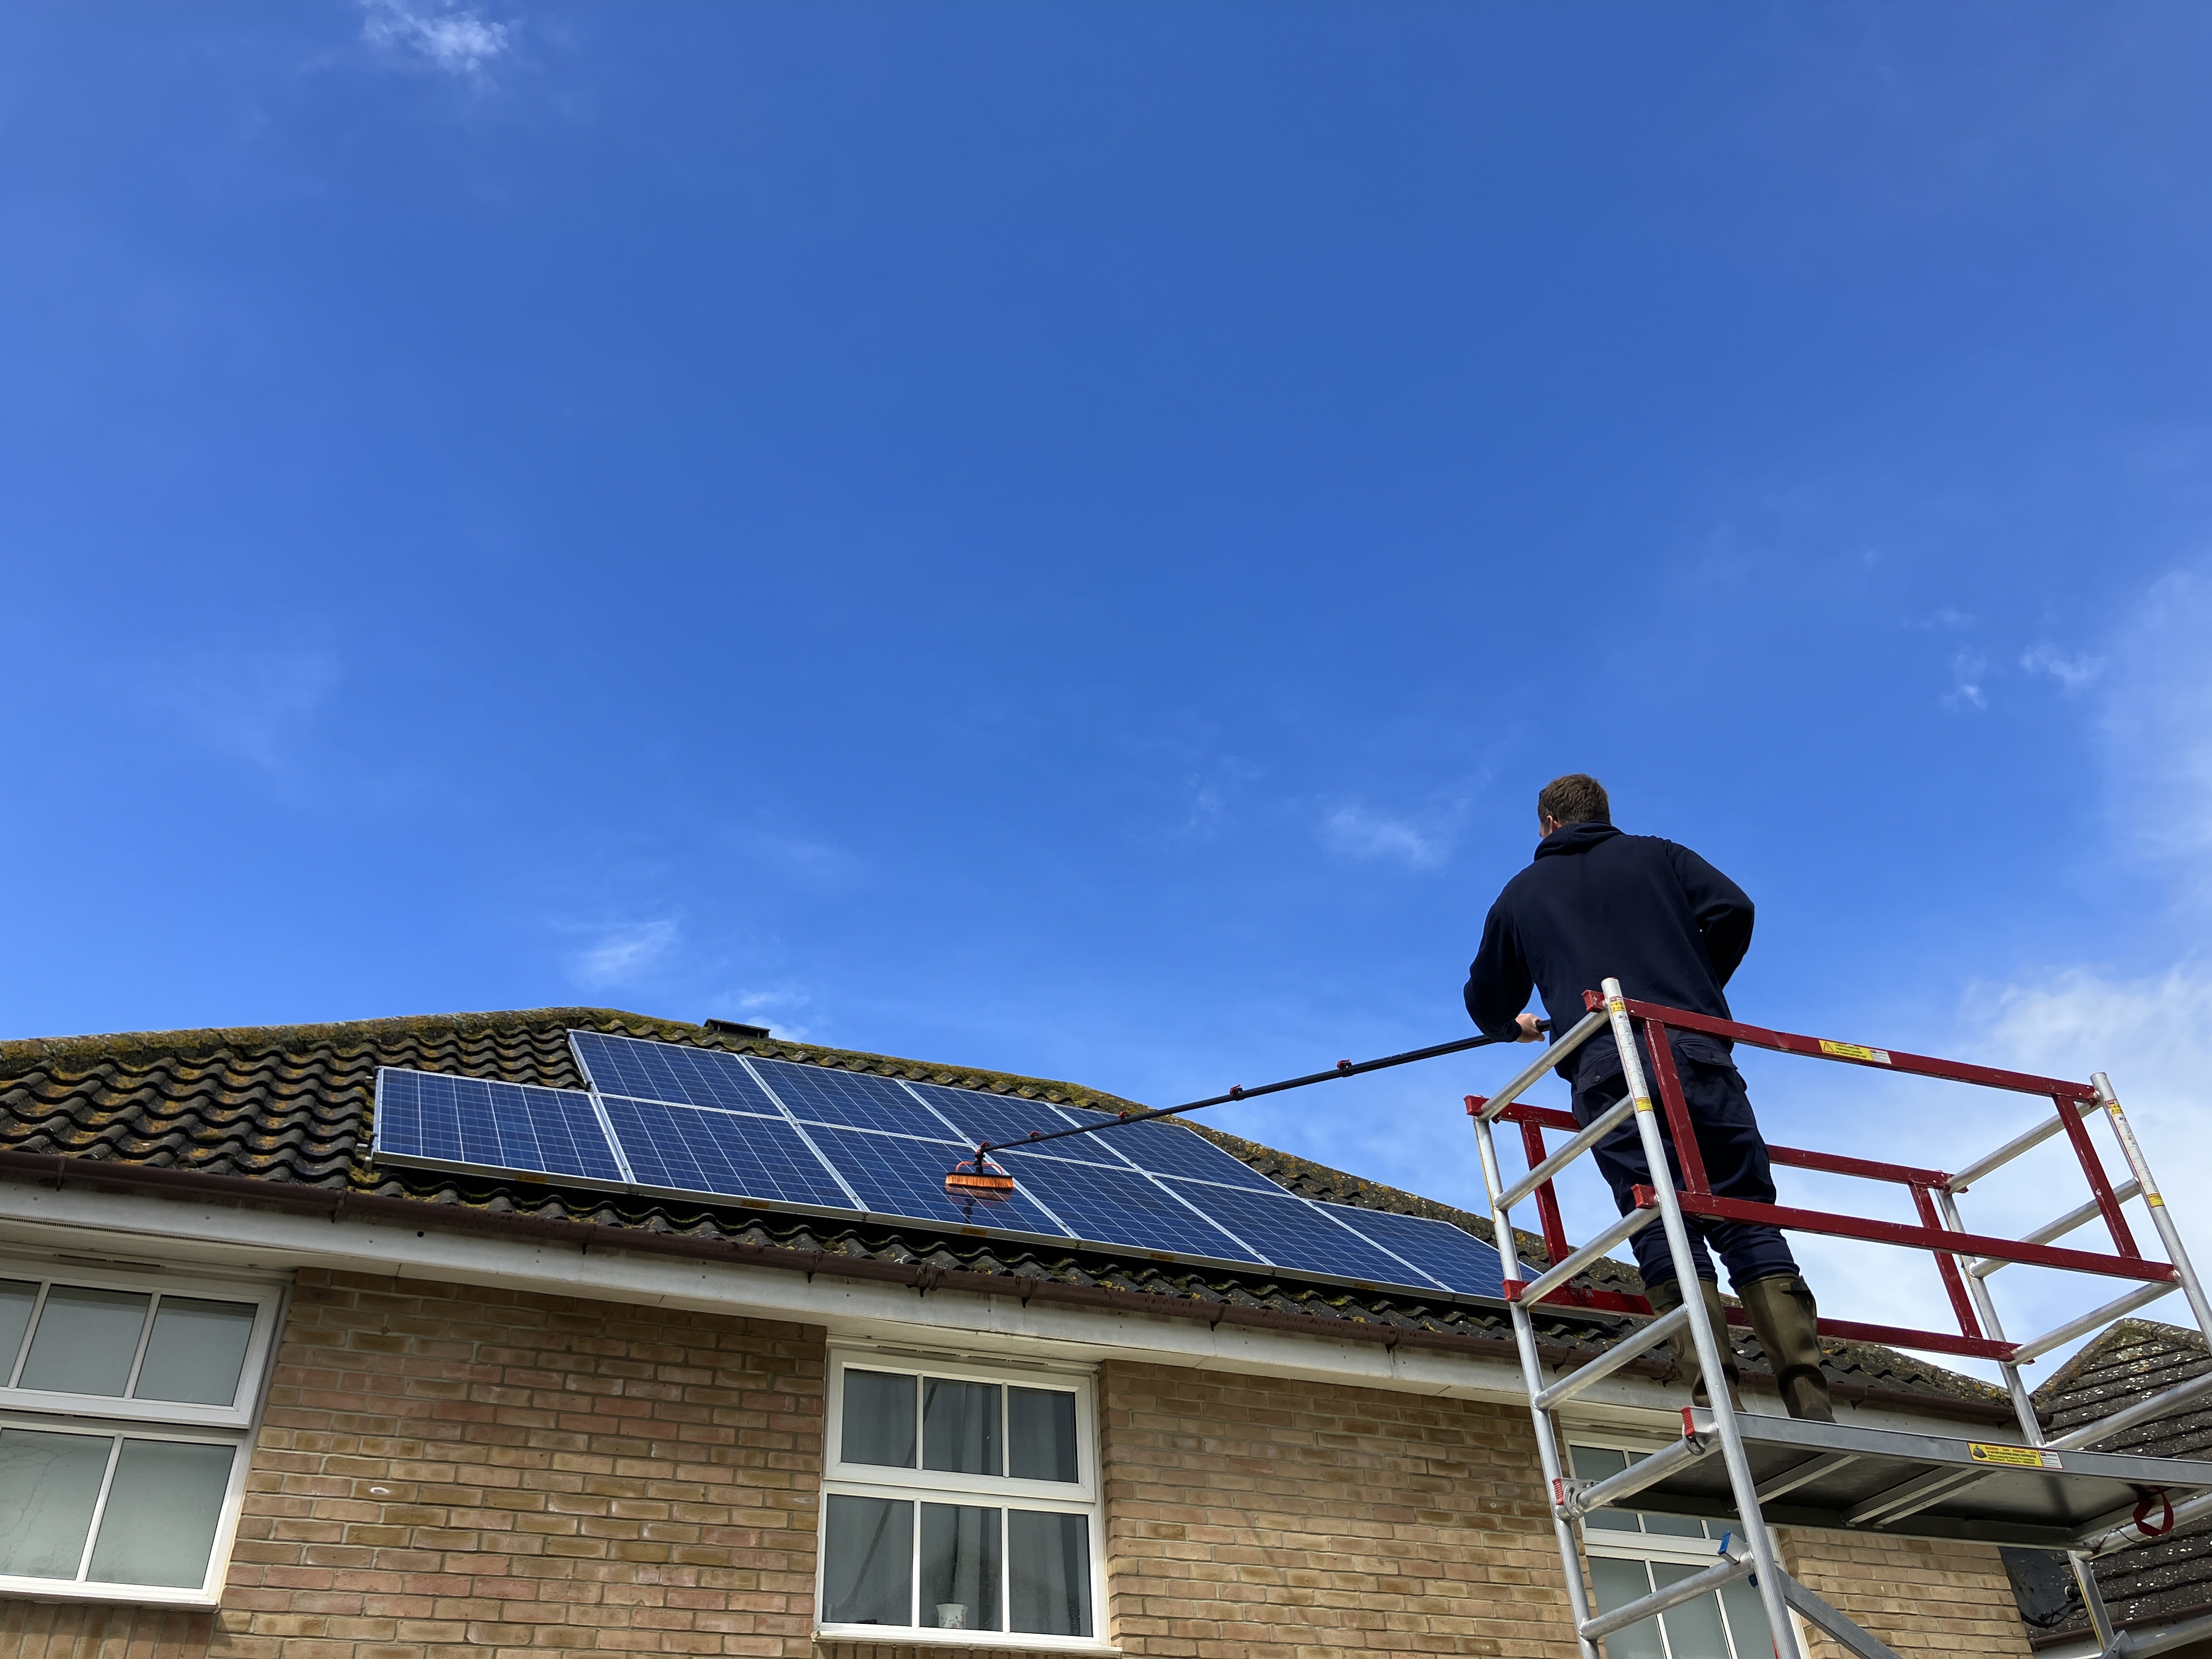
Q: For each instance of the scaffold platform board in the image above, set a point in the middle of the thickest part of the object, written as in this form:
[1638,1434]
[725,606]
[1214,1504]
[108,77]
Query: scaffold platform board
[1914,1486]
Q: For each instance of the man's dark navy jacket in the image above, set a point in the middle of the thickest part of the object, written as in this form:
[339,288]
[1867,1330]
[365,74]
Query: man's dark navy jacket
[1597,904]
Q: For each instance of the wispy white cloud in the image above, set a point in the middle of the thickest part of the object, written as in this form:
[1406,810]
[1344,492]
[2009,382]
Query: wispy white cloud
[624,953]
[255,706]
[2153,1034]
[1362,832]
[1944,620]
[1968,669]
[2157,726]
[437,33]
[2074,673]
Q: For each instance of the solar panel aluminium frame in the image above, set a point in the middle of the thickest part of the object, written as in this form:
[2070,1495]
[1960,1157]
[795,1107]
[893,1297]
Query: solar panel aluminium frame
[1435,1292]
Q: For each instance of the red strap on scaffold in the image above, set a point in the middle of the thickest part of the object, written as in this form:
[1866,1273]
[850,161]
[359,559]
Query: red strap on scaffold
[2166,1514]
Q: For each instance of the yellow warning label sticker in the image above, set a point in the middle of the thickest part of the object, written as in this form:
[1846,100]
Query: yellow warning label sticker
[2014,1457]
[1854,1051]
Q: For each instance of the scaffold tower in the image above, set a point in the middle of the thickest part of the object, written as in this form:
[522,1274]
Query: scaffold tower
[1759,1471]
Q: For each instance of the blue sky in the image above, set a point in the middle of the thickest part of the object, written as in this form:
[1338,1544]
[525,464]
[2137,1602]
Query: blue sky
[1066,538]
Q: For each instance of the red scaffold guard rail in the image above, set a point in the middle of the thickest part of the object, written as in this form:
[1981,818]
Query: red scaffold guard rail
[1933,1191]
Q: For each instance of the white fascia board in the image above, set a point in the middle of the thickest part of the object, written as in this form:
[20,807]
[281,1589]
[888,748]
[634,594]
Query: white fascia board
[76,1220]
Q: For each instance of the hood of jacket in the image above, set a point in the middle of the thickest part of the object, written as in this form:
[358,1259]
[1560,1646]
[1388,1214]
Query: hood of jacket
[1574,838]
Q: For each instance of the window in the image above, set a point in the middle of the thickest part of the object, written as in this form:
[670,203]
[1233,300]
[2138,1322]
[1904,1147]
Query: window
[1631,1553]
[960,1498]
[125,1404]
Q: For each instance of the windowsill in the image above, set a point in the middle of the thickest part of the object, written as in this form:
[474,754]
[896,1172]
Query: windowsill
[958,1641]
[136,1595]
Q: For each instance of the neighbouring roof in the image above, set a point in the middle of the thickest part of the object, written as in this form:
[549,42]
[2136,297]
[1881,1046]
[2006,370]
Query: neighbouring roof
[2173,1577]
[289,1107]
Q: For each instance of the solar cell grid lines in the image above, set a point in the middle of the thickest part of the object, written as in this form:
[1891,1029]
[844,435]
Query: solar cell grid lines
[1289,1231]
[669,1072]
[476,1123]
[1458,1260]
[1124,1207]
[896,1174]
[1165,1148]
[819,1138]
[818,1094]
[687,1150]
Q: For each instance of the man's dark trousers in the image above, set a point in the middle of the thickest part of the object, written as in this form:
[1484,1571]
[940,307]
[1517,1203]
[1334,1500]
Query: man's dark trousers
[1734,1158]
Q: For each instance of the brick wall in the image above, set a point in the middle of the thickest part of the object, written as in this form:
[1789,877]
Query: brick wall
[457,1470]
[1250,1518]
[1919,1597]
[557,1475]
[568,1476]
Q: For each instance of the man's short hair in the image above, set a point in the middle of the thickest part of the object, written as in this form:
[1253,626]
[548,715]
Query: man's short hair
[1577,797]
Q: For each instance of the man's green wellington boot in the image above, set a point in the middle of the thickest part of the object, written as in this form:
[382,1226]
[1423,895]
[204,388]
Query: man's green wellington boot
[1665,1297]
[1784,1315]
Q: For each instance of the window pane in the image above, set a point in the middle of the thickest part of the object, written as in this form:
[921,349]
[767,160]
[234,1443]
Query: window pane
[1694,1630]
[48,1485]
[196,1353]
[959,1567]
[1747,1617]
[1040,1435]
[1599,1463]
[879,1418]
[86,1340]
[960,1426]
[1673,1526]
[1616,1584]
[17,1297]
[1049,1583]
[867,1573]
[159,1522]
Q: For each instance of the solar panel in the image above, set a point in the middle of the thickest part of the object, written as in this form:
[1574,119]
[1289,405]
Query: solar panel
[818,1094]
[730,1154]
[1288,1232]
[1461,1261]
[896,1174]
[669,1072]
[771,1131]
[431,1118]
[1166,1148]
[1121,1206]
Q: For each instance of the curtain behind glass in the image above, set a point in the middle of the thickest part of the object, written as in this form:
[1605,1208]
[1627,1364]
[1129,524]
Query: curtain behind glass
[1048,1573]
[867,1574]
[879,1425]
[960,1426]
[1616,1584]
[1040,1435]
[959,1567]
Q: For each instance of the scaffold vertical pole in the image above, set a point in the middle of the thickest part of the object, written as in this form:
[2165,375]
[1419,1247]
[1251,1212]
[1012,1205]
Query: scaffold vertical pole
[1532,1378]
[2155,1201]
[1712,1359]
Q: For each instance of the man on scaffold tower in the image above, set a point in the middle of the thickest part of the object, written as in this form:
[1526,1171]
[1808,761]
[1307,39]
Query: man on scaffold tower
[1594,904]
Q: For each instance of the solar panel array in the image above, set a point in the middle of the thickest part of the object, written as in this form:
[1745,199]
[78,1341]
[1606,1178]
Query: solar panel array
[664,1117]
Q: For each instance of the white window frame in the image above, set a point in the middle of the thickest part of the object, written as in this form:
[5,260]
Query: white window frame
[1621,1544]
[1077,1496]
[233,1425]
